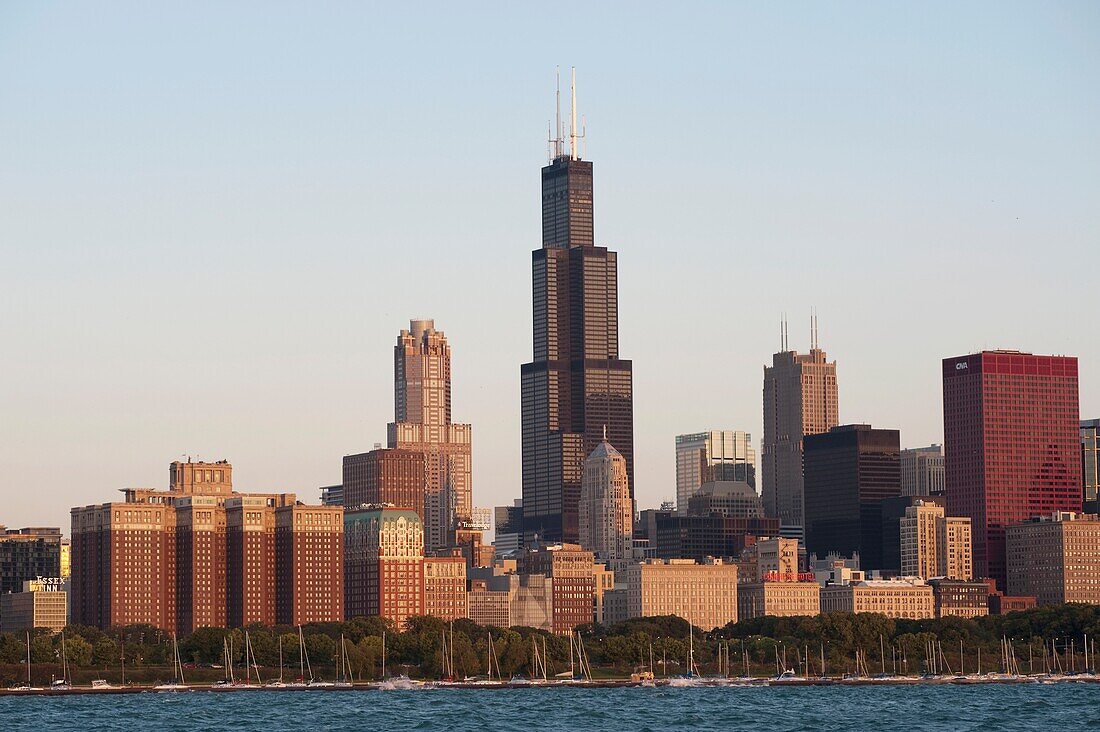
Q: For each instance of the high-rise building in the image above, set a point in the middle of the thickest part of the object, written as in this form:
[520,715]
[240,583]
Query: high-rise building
[1090,464]
[445,586]
[309,564]
[725,497]
[1012,444]
[27,554]
[384,563]
[704,457]
[850,470]
[250,560]
[671,536]
[183,558]
[934,544]
[1055,558]
[800,399]
[575,386]
[893,510]
[922,471]
[41,603]
[570,568]
[422,423]
[385,476]
[606,512]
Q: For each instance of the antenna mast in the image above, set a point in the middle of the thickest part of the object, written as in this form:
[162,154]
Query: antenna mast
[574,152]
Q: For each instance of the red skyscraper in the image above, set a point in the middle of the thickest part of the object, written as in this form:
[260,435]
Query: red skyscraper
[1011,442]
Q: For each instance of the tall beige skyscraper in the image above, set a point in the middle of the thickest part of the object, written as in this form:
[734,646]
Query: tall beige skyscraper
[934,544]
[605,511]
[800,399]
[422,406]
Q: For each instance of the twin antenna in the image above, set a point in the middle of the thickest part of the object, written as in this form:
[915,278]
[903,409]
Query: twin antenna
[556,137]
[784,342]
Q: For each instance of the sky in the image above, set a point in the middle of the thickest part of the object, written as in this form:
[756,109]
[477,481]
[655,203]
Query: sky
[215,218]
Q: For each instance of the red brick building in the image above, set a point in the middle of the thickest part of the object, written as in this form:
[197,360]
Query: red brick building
[574,583]
[445,587]
[385,476]
[1011,443]
[309,573]
[383,564]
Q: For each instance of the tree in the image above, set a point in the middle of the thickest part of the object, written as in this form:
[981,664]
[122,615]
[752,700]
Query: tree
[78,652]
[105,652]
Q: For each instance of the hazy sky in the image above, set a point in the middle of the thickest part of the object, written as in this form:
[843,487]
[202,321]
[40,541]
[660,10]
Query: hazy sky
[216,217]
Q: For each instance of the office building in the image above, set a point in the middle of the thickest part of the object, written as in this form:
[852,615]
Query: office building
[903,597]
[489,607]
[508,528]
[332,495]
[670,536]
[27,554]
[422,423]
[575,385]
[934,544]
[703,457]
[1012,444]
[704,594]
[893,510]
[606,512]
[571,569]
[800,399]
[385,476]
[445,586]
[41,603]
[384,563]
[1090,464]
[1055,558]
[849,471]
[775,584]
[922,471]
[959,598]
[727,498]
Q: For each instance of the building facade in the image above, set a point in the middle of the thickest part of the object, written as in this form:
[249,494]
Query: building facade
[800,399]
[671,536]
[908,598]
[960,598]
[1011,444]
[780,598]
[1090,464]
[922,471]
[41,603]
[726,498]
[26,554]
[385,476]
[309,564]
[1055,558]
[573,583]
[702,457]
[250,561]
[384,563]
[703,594]
[422,423]
[576,385]
[445,587]
[935,545]
[606,511]
[849,471]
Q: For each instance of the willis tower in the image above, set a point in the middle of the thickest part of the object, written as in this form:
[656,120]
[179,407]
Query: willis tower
[576,385]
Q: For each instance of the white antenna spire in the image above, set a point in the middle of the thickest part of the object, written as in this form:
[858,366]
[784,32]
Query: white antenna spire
[558,142]
[573,113]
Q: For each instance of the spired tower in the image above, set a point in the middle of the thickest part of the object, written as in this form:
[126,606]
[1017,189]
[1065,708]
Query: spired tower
[800,399]
[606,511]
[576,384]
[422,406]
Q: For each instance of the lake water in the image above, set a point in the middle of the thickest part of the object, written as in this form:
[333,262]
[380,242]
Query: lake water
[995,708]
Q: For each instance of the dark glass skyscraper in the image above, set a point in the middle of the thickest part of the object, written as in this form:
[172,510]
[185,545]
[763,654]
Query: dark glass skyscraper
[576,384]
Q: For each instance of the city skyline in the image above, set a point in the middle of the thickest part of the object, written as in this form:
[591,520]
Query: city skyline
[267,339]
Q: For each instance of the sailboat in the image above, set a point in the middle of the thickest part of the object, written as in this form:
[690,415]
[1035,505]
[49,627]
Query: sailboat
[396,683]
[27,686]
[62,684]
[278,683]
[178,683]
[303,664]
[343,676]
[227,663]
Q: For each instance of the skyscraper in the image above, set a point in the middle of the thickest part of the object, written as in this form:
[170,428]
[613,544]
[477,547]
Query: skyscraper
[922,471]
[850,470]
[704,457]
[800,399]
[1090,463]
[576,384]
[1012,444]
[422,423]
[606,513]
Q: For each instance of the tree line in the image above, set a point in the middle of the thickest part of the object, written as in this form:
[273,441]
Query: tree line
[611,650]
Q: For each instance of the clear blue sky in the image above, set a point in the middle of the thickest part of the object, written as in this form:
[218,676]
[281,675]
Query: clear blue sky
[215,217]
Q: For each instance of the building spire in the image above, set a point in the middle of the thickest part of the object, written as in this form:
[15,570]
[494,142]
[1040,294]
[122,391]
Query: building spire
[605,433]
[574,150]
